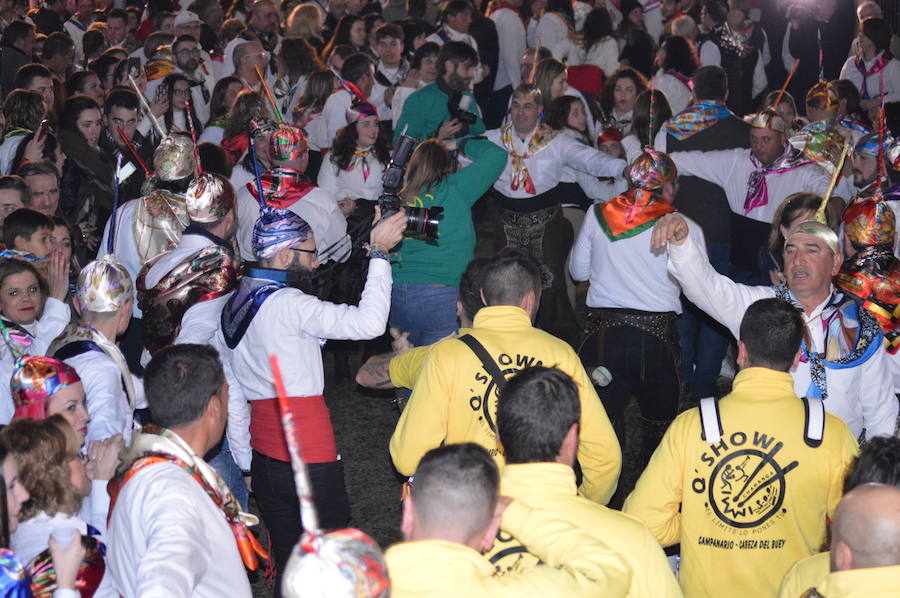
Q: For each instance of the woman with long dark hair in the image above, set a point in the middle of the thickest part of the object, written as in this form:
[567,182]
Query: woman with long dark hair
[617,98]
[308,116]
[88,175]
[594,45]
[350,31]
[220,102]
[678,61]
[246,109]
[178,89]
[296,61]
[643,131]
[636,46]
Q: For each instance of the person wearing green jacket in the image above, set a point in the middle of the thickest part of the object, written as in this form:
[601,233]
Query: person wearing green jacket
[434,111]
[427,273]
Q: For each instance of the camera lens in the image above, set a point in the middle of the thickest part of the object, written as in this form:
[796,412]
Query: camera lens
[423,221]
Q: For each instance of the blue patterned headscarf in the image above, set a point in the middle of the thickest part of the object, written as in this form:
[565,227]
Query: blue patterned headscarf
[278,229]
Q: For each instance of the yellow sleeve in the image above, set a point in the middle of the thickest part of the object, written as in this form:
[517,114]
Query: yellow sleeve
[849,449]
[599,454]
[656,499]
[406,367]
[791,584]
[574,562]
[423,423]
[659,580]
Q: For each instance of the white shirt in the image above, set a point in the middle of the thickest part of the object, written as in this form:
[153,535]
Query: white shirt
[124,246]
[378,91]
[653,19]
[8,152]
[95,506]
[632,146]
[862,396]
[546,166]
[731,169]
[551,30]
[53,321]
[198,326]
[677,93]
[627,273]
[603,54]
[317,131]
[891,73]
[32,537]
[107,401]
[591,185]
[213,135]
[335,115]
[168,539]
[290,323]
[511,36]
[343,184]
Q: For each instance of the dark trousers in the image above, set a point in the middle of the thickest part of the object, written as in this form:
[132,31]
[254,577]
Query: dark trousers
[703,340]
[276,496]
[131,342]
[641,364]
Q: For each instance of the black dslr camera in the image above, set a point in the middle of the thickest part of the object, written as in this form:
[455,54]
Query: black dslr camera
[420,221]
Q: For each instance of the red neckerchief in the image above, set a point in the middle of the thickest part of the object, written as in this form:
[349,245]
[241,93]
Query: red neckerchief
[879,65]
[282,187]
[351,88]
[500,4]
[237,146]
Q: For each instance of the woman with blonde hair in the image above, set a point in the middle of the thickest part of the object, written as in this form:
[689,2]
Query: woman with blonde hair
[550,78]
[54,472]
[308,22]
[426,277]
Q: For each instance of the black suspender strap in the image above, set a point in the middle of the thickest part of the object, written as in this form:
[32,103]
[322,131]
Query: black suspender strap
[487,361]
[814,428]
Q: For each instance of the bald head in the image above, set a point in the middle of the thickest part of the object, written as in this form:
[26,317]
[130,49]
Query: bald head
[865,532]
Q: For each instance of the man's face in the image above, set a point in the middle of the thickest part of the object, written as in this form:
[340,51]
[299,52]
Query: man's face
[525,111]
[460,21]
[44,86]
[390,49]
[10,201]
[667,8]
[40,242]
[85,9]
[809,265]
[527,65]
[256,56]
[766,144]
[122,118]
[44,193]
[865,169]
[303,258]
[116,29]
[187,56]
[26,44]
[264,18]
[459,76]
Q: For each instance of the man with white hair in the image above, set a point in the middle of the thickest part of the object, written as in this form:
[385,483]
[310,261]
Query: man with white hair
[851,376]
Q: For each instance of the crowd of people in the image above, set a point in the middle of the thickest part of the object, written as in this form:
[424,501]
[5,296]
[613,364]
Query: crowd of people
[517,217]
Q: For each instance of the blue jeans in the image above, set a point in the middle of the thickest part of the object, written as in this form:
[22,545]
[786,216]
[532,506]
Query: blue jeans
[703,340]
[225,466]
[427,312]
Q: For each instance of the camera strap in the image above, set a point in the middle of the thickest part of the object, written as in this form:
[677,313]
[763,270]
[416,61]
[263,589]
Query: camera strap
[486,360]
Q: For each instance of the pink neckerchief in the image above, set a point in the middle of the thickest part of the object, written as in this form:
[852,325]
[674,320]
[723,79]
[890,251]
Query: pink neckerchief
[880,62]
[757,189]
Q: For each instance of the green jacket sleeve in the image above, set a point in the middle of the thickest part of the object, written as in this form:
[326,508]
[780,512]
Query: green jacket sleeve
[488,161]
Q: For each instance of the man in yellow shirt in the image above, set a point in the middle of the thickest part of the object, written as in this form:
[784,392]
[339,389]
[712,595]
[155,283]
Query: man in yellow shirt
[746,485]
[455,396]
[453,512]
[537,421]
[865,544]
[876,464]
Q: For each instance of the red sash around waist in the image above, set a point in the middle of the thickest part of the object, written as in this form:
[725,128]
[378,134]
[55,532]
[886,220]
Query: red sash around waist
[312,426]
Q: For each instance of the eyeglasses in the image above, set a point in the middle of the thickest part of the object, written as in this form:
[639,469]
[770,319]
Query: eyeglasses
[266,54]
[191,52]
[313,251]
[182,93]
